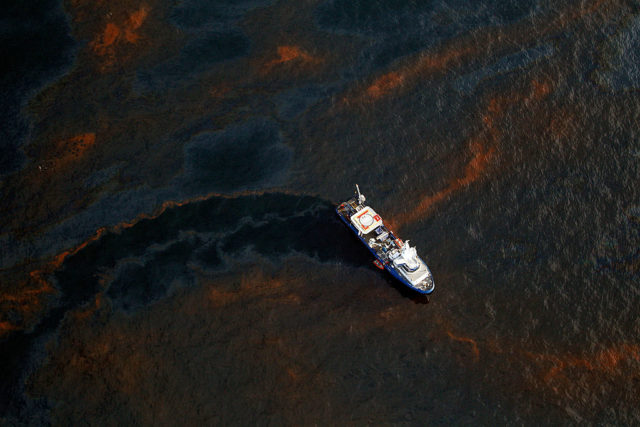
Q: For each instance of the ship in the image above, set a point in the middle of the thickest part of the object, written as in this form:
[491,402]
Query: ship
[390,252]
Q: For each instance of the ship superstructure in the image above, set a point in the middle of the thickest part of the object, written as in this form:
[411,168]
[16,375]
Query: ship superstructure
[397,257]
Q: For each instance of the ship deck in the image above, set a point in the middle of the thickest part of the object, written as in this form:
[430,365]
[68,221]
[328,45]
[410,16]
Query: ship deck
[388,242]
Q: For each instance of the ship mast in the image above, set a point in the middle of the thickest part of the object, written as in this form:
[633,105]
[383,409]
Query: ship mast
[361,198]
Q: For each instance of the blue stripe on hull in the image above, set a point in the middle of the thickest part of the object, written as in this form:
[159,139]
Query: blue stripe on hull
[387,267]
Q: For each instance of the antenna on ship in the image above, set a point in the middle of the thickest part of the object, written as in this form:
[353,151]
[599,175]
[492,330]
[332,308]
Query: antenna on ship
[361,198]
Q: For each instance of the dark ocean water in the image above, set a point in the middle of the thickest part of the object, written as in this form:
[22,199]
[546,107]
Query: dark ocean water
[169,252]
